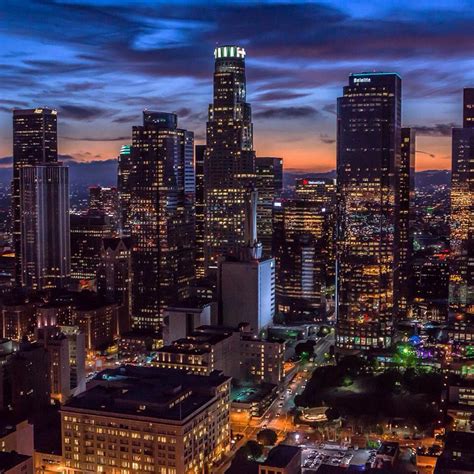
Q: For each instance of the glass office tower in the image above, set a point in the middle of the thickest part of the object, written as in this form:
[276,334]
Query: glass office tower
[368,166]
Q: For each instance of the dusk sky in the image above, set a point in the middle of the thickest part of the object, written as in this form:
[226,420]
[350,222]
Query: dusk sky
[101,62]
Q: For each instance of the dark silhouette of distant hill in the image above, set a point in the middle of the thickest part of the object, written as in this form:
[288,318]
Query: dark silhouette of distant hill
[105,173]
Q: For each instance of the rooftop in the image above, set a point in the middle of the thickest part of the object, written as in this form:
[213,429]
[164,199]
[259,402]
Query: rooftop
[149,392]
[11,459]
[282,455]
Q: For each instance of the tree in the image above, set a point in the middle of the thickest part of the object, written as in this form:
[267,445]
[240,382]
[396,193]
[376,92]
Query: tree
[267,437]
[253,450]
[332,414]
[303,348]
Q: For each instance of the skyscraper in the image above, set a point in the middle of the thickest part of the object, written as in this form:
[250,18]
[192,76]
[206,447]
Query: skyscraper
[161,216]
[34,143]
[230,159]
[461,287]
[200,216]
[123,187]
[45,245]
[269,183]
[106,201]
[301,244]
[406,177]
[87,232]
[368,164]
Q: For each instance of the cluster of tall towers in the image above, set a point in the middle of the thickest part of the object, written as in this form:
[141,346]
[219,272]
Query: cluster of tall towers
[185,208]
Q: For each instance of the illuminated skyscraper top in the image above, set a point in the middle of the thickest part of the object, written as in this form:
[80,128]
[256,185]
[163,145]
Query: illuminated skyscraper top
[468,108]
[230,159]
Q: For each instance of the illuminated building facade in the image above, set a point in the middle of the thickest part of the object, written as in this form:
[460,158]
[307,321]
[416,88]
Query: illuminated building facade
[161,216]
[136,419]
[45,239]
[269,184]
[87,232]
[124,169]
[229,159]
[106,201]
[200,205]
[322,192]
[461,291]
[368,164]
[238,354]
[34,143]
[406,191]
[302,248]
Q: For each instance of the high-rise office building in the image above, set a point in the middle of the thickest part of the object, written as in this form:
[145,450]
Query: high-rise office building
[161,216]
[34,143]
[461,288]
[301,242]
[87,232]
[123,187]
[106,200]
[200,226]
[368,164]
[230,158]
[468,108]
[269,183]
[322,193]
[406,190]
[45,245]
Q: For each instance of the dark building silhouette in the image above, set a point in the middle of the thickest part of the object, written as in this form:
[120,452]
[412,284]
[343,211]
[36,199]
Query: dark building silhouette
[25,380]
[368,166]
[269,184]
[461,291]
[34,143]
[114,278]
[230,158]
[161,216]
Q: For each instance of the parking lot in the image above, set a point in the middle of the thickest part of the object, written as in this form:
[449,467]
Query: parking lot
[335,455]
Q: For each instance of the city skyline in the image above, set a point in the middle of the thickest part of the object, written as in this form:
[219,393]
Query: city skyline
[101,73]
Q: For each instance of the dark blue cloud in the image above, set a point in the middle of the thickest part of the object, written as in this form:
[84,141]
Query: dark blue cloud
[100,62]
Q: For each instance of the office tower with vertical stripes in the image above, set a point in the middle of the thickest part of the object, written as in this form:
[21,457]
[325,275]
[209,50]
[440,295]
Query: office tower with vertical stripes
[34,143]
[45,237]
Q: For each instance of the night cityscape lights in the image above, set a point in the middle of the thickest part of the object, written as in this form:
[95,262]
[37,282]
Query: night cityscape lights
[198,308]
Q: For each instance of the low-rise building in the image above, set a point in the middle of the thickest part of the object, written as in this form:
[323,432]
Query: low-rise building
[143,419]
[15,463]
[282,459]
[203,352]
[461,404]
[16,436]
[458,455]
